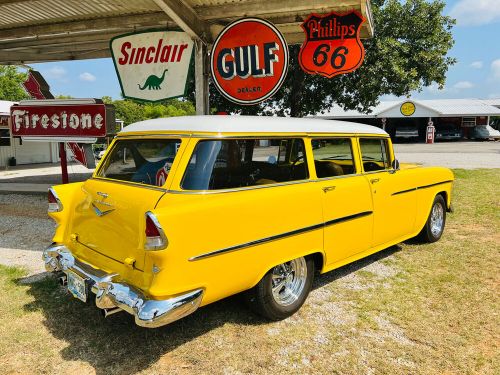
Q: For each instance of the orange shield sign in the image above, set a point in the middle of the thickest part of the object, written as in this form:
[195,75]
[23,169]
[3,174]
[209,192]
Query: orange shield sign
[332,44]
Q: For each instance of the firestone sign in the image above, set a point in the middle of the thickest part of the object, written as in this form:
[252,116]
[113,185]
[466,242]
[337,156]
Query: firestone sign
[61,121]
[249,61]
[152,65]
[332,45]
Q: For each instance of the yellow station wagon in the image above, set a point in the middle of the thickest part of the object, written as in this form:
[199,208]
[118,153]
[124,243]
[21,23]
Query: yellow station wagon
[183,212]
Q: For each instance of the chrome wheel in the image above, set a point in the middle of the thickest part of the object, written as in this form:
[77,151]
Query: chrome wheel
[437,219]
[288,281]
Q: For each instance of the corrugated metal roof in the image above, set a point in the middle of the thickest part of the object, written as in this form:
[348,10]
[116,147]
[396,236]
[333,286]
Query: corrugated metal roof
[51,30]
[444,107]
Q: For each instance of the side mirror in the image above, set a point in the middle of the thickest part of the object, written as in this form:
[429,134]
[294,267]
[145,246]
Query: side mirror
[395,165]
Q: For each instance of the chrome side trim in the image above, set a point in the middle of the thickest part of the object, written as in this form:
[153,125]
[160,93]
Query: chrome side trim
[112,293]
[279,236]
[421,187]
[431,185]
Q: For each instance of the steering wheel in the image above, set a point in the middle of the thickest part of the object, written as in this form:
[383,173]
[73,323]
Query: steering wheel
[294,164]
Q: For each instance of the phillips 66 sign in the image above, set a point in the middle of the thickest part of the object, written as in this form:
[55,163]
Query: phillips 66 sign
[249,61]
[152,65]
[332,44]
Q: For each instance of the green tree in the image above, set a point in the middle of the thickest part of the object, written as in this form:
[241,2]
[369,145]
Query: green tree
[130,111]
[408,52]
[10,84]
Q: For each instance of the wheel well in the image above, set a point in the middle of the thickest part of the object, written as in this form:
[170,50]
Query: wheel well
[318,261]
[445,197]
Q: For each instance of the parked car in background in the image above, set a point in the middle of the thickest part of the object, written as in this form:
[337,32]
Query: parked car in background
[186,211]
[485,132]
[448,132]
[407,131]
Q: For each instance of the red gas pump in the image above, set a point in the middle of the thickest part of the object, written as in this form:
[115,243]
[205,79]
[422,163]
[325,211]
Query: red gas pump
[429,134]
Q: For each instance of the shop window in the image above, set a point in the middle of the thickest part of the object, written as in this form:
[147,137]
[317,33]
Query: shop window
[229,164]
[374,153]
[333,157]
[468,122]
[4,137]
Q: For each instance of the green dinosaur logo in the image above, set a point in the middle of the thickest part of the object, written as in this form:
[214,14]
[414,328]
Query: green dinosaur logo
[153,82]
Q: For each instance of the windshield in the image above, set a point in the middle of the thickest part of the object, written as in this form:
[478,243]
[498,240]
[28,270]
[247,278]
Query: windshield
[141,161]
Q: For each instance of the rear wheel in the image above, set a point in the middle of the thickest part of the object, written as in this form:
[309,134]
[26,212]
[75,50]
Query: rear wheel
[283,289]
[434,227]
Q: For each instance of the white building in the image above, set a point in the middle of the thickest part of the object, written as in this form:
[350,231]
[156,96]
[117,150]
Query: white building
[464,114]
[24,152]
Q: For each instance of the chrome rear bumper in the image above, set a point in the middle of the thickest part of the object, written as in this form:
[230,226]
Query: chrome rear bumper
[111,293]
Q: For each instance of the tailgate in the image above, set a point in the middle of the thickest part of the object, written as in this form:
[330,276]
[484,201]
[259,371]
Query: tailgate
[111,219]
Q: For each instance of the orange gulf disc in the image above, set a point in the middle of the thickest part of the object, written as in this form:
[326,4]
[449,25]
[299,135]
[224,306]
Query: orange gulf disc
[249,61]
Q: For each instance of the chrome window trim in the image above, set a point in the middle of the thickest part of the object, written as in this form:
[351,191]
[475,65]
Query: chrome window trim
[279,236]
[337,177]
[244,188]
[128,183]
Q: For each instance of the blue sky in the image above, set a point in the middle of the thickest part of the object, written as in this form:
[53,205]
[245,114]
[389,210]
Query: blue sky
[476,74]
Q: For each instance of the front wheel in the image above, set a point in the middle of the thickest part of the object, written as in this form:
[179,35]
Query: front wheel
[283,289]
[434,226]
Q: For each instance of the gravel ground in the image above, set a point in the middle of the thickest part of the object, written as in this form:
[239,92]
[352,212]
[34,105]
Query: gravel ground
[25,230]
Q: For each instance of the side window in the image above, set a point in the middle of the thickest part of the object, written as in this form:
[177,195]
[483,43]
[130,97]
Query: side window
[333,157]
[145,161]
[234,163]
[374,154]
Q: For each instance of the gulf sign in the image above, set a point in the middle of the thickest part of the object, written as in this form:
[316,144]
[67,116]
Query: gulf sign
[46,119]
[249,61]
[332,44]
[152,65]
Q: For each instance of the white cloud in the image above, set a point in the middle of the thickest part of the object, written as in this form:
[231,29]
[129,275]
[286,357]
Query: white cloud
[495,69]
[476,12]
[57,73]
[87,77]
[463,85]
[477,65]
[434,89]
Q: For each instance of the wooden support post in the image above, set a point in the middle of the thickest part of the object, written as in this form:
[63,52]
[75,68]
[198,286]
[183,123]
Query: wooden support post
[201,78]
[64,162]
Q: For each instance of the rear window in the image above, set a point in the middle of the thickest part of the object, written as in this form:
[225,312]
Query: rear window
[141,161]
[227,164]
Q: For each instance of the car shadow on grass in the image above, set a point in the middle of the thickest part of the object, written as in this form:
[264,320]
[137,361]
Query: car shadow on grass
[117,345]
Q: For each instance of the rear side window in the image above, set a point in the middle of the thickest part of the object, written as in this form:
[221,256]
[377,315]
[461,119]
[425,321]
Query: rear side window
[142,161]
[374,154]
[234,163]
[333,157]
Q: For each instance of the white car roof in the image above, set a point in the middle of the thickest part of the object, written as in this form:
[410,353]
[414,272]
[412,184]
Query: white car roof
[249,124]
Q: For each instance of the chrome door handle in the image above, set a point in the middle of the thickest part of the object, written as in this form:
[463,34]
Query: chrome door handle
[374,180]
[328,188]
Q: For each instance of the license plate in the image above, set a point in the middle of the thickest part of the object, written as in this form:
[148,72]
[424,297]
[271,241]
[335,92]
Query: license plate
[77,286]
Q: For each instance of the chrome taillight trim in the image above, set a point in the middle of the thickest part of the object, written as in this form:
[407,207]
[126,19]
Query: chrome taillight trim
[59,203]
[163,237]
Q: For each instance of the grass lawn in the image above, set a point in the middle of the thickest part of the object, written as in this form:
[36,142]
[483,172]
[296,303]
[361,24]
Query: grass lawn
[411,309]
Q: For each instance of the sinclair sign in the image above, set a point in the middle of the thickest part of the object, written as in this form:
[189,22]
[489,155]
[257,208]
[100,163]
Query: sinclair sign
[332,44]
[249,61]
[152,65]
[62,120]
